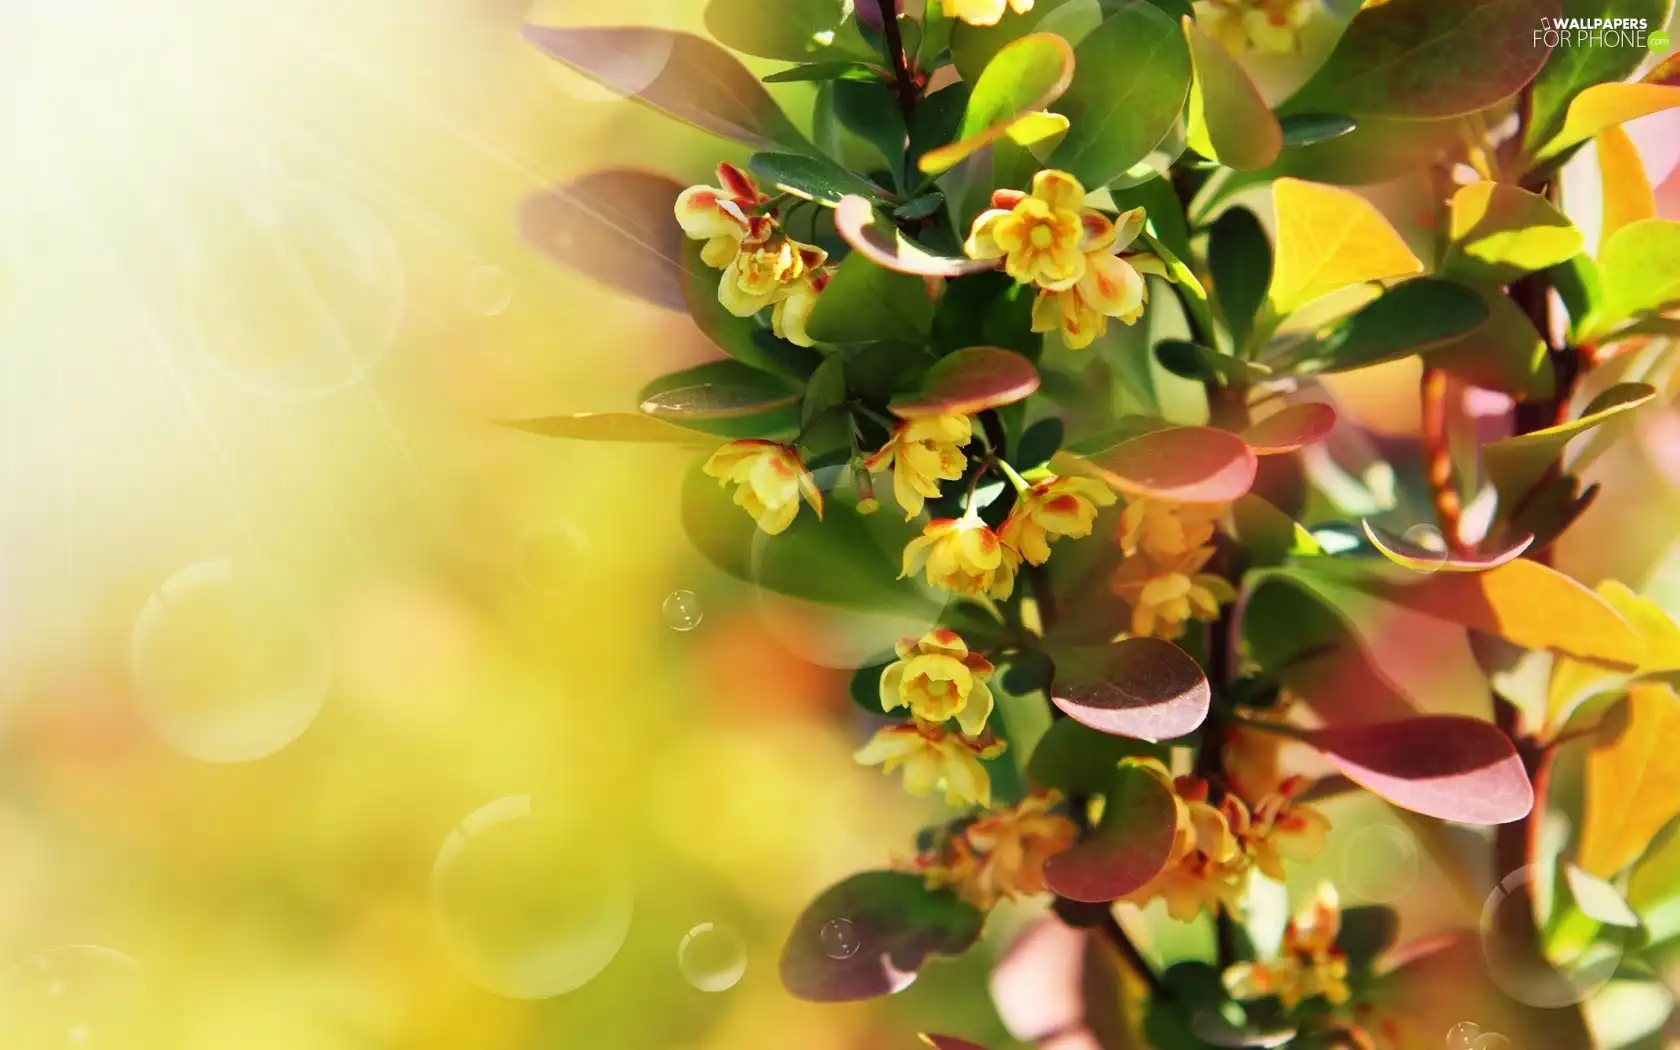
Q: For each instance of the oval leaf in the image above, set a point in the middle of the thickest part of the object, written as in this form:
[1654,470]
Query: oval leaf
[613,426]
[1423,58]
[1446,766]
[715,401]
[1229,121]
[1597,899]
[1240,260]
[885,245]
[1624,191]
[1180,464]
[616,227]
[1079,761]
[867,303]
[1140,687]
[1527,604]
[899,924]
[1403,552]
[1642,267]
[1516,465]
[969,381]
[1307,129]
[1503,352]
[1329,238]
[1570,70]
[1127,849]
[681,75]
[1133,77]
[1416,316]
[802,31]
[1632,779]
[1021,79]
[1605,106]
[812,178]
[1499,232]
[1292,429]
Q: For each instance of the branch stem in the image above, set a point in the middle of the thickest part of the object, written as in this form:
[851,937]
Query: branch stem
[905,88]
[1438,462]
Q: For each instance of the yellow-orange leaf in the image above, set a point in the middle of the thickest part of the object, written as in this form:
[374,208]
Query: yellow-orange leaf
[1607,105]
[1633,781]
[1327,239]
[1627,192]
[1572,680]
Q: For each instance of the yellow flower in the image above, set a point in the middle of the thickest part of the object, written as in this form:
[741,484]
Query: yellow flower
[1250,756]
[933,757]
[771,477]
[1259,25]
[983,12]
[721,215]
[1167,530]
[1112,286]
[922,453]
[793,309]
[963,556]
[1167,596]
[1002,855]
[937,678]
[1282,829]
[1207,867]
[1310,964]
[1041,237]
[768,268]
[1050,509]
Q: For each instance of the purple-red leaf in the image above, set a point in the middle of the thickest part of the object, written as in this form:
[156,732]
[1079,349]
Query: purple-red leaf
[885,245]
[1179,464]
[1128,848]
[897,923]
[1140,687]
[681,75]
[616,227]
[970,381]
[1446,766]
[1292,429]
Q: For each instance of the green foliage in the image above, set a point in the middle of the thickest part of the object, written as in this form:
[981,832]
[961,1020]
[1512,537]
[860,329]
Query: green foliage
[864,303]
[1240,262]
[1570,69]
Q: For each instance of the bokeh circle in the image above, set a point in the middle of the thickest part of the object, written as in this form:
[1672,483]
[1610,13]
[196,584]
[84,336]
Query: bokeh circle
[1531,981]
[712,957]
[1379,863]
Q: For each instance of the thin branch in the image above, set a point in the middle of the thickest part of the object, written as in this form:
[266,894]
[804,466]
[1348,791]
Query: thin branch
[906,85]
[1116,936]
[1437,460]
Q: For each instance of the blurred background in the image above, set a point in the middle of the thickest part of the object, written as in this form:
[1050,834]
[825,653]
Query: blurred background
[331,715]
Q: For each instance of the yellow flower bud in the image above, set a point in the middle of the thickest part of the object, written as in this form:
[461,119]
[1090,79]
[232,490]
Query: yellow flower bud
[937,678]
[770,477]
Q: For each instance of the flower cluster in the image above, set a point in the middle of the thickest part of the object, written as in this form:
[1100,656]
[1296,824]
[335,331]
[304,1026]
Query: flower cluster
[1001,855]
[769,478]
[1255,25]
[1309,965]
[1076,256]
[1166,546]
[922,453]
[1216,847]
[762,266]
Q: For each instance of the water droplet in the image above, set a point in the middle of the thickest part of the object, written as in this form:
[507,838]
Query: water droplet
[1491,1041]
[1549,985]
[531,903]
[1379,863]
[293,290]
[849,637]
[682,611]
[548,555]
[81,996]
[489,291]
[839,938]
[1426,545]
[1463,1035]
[226,666]
[712,958]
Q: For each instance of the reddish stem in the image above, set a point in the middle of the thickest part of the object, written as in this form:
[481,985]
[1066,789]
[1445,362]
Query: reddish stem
[1437,460]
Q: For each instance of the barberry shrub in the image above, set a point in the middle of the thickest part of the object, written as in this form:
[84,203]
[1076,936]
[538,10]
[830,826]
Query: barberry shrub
[1028,309]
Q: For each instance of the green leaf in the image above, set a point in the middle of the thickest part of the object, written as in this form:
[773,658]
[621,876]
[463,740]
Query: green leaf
[1079,761]
[845,559]
[1641,264]
[920,208]
[1026,76]
[798,31]
[616,227]
[1073,21]
[974,47]
[1515,465]
[613,426]
[899,924]
[1039,442]
[697,82]
[1570,69]
[1376,149]
[1133,77]
[715,401]
[1423,58]
[1503,353]
[1309,129]
[1229,121]
[1581,287]
[886,245]
[727,398]
[866,303]
[865,691]
[813,178]
[1240,260]
[935,122]
[875,371]
[869,110]
[1161,208]
[825,71]
[1499,232]
[825,390]
[1195,361]
[1654,889]
[1413,317]
[739,337]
